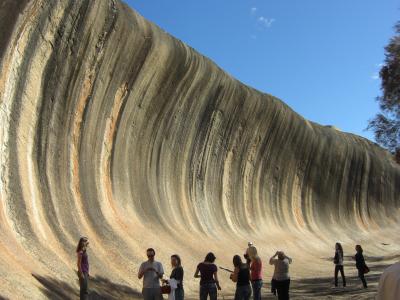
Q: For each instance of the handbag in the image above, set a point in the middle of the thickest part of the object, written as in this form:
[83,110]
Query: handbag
[336,259]
[366,269]
[165,289]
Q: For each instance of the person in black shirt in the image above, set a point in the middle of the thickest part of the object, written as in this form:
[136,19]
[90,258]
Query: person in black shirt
[207,272]
[177,274]
[241,275]
[360,265]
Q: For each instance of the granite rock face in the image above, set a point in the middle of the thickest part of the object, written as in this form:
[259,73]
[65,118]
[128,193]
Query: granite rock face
[113,129]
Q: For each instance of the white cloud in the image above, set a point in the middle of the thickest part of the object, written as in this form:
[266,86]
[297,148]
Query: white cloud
[253,10]
[375,76]
[267,22]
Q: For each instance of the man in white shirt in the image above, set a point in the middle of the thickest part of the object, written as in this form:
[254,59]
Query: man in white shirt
[281,274]
[151,271]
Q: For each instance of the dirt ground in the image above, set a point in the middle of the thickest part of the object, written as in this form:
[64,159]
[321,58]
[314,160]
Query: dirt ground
[310,288]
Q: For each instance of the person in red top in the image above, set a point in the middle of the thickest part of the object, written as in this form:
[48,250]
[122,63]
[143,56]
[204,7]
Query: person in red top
[255,272]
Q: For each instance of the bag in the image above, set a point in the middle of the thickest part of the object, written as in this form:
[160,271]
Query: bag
[165,289]
[336,259]
[366,269]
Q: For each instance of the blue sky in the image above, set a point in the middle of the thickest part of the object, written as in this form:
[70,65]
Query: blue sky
[321,57]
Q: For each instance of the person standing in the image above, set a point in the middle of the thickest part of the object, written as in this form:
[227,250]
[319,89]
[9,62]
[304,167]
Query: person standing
[208,277]
[338,261]
[241,275]
[177,275]
[281,274]
[151,271]
[83,267]
[255,272]
[360,265]
[246,255]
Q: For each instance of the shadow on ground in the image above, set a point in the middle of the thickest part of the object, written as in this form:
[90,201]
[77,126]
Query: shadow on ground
[310,288]
[323,288]
[100,288]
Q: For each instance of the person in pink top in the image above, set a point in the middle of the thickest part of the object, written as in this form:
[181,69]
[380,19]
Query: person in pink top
[83,267]
[255,272]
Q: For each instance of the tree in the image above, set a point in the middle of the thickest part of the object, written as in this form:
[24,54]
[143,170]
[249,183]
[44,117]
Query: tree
[386,124]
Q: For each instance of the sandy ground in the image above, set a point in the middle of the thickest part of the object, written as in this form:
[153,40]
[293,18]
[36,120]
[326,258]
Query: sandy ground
[310,288]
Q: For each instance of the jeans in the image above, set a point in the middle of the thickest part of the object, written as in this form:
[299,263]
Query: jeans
[282,287]
[361,276]
[208,289]
[337,269]
[152,293]
[273,287]
[257,285]
[243,292]
[179,294]
[83,284]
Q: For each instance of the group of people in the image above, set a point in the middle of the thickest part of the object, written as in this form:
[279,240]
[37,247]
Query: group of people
[361,266]
[246,274]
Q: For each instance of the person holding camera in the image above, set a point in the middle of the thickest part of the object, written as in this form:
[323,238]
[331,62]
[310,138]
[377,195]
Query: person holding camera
[246,255]
[281,274]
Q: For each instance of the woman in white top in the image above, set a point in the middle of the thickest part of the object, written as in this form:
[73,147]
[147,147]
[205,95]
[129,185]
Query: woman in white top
[281,274]
[338,261]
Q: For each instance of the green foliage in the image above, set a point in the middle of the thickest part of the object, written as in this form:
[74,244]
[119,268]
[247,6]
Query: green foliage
[386,124]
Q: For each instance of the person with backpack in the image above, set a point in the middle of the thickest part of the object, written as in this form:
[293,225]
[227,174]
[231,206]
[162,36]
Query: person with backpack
[338,261]
[241,275]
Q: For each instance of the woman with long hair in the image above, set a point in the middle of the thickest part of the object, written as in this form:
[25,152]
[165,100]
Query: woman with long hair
[83,267]
[241,275]
[255,272]
[360,265]
[177,274]
[338,261]
[207,272]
